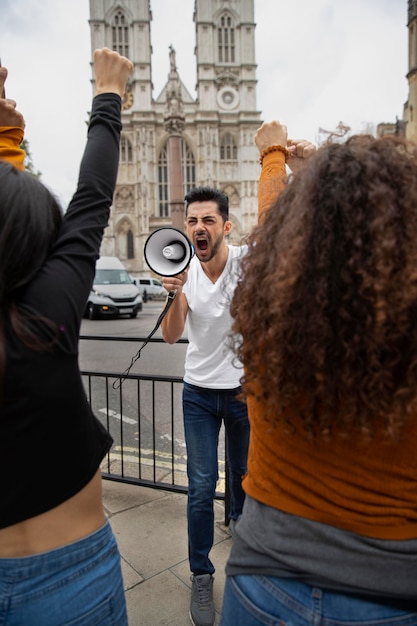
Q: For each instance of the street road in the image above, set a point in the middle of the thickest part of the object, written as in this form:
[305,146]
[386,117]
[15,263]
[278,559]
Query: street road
[161,358]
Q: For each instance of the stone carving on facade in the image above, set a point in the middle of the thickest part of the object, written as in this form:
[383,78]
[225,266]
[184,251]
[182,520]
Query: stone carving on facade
[142,136]
[144,187]
[123,225]
[174,125]
[124,193]
[226,77]
[174,105]
[232,193]
[124,200]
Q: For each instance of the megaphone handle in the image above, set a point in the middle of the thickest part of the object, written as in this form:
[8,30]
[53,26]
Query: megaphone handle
[170,298]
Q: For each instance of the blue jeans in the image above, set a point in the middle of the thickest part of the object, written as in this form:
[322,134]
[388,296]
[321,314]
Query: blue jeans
[259,600]
[204,409]
[77,585]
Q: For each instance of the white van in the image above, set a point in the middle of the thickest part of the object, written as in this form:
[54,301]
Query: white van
[113,291]
[150,287]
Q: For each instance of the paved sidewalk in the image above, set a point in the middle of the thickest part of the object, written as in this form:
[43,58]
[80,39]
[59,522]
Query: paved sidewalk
[151,530]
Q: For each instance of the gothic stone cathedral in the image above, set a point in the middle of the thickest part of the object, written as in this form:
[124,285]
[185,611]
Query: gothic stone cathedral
[171,141]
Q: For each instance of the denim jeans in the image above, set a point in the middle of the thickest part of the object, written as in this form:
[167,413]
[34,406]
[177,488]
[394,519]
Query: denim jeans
[259,600]
[204,409]
[77,585]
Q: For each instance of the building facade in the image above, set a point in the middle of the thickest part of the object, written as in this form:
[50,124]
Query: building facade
[174,141]
[410,107]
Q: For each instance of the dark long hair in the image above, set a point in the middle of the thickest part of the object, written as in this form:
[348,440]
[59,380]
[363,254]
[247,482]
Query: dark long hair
[327,302]
[29,221]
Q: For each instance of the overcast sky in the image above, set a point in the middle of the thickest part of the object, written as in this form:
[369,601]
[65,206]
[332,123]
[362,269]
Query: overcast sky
[319,62]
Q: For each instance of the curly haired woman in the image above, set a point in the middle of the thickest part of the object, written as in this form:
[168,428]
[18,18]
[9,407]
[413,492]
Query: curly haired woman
[325,322]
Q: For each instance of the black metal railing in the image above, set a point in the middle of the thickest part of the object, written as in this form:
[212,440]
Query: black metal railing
[143,413]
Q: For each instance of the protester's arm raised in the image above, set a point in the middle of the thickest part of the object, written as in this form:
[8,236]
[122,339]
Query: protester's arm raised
[271,140]
[12,125]
[276,150]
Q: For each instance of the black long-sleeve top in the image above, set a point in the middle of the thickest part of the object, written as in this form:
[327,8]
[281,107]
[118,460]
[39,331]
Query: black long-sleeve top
[50,442]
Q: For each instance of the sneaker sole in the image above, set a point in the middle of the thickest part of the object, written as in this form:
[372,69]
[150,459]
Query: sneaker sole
[193,622]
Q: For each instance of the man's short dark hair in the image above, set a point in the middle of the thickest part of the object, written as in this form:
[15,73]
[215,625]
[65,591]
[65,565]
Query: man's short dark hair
[202,194]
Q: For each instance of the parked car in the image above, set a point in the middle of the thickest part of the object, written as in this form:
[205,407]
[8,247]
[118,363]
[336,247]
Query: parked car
[113,291]
[149,287]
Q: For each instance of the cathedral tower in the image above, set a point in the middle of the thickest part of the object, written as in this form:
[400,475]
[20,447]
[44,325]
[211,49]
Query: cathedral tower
[174,141]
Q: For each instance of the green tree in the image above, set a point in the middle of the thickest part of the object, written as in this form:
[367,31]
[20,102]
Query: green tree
[29,165]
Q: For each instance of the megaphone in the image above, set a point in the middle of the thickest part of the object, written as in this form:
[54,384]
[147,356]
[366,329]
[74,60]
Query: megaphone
[168,251]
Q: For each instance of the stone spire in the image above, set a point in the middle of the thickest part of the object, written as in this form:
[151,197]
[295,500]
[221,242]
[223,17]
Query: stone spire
[174,122]
[174,119]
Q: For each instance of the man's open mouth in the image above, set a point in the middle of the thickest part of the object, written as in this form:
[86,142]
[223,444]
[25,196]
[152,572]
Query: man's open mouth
[201,244]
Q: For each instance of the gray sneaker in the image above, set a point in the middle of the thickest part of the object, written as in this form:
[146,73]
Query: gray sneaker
[202,607]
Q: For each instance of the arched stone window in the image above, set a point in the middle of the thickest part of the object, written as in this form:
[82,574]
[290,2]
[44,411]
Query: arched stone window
[163,190]
[188,164]
[228,148]
[124,239]
[126,150]
[226,39]
[120,34]
[188,176]
[130,245]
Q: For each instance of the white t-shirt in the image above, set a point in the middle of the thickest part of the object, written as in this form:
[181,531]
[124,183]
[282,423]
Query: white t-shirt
[209,361]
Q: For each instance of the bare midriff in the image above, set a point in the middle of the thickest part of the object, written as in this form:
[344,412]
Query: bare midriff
[71,521]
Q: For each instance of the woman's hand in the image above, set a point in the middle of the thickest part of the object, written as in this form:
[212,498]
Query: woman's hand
[112,71]
[9,116]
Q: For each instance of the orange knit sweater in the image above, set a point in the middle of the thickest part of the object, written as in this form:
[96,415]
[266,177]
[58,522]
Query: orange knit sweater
[10,139]
[272,180]
[367,488]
